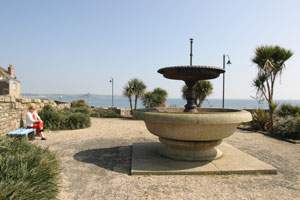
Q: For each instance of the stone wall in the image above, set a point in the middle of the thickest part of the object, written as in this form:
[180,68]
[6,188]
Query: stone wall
[125,112]
[13,111]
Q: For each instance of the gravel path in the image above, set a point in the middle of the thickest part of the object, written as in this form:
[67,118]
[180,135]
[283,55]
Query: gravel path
[96,163]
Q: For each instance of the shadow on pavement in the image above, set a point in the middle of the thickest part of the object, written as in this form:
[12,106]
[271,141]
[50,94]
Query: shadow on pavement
[113,158]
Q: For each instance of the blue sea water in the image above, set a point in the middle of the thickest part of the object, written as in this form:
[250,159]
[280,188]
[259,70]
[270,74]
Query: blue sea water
[122,102]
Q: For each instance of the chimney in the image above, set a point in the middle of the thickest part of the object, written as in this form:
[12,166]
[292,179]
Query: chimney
[11,71]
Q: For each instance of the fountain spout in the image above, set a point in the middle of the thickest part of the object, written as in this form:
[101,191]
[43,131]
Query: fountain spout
[190,74]
[191,52]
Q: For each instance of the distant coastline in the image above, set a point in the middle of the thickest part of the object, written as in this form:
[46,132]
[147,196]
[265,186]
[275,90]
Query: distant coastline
[122,102]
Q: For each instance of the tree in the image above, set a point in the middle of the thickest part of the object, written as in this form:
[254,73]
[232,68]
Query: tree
[127,92]
[136,88]
[202,89]
[156,98]
[270,61]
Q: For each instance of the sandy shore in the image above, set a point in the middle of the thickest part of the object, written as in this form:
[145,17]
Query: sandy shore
[96,162]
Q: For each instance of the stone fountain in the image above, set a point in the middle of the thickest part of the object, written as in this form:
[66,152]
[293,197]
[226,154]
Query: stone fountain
[192,133]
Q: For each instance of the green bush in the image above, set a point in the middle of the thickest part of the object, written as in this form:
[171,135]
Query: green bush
[260,120]
[77,121]
[80,106]
[79,103]
[85,110]
[105,113]
[53,120]
[287,127]
[64,119]
[156,98]
[27,171]
[286,110]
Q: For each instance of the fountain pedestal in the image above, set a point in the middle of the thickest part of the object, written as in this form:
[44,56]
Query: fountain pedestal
[190,150]
[190,97]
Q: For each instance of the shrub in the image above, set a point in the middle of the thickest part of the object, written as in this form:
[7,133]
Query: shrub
[156,98]
[77,121]
[288,110]
[260,120]
[64,119]
[287,127]
[53,120]
[85,110]
[107,113]
[79,103]
[80,106]
[27,171]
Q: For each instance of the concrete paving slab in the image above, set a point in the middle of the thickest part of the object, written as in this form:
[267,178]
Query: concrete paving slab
[147,161]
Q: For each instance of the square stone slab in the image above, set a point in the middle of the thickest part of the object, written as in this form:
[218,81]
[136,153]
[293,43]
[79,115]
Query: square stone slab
[147,161]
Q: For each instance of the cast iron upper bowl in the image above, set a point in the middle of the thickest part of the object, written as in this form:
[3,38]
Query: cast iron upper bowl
[191,73]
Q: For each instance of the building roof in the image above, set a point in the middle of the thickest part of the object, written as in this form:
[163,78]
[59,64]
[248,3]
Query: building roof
[4,74]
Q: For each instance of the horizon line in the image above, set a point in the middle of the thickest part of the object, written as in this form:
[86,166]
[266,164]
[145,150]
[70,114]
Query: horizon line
[118,95]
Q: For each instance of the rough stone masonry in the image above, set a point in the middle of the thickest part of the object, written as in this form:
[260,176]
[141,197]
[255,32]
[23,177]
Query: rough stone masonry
[13,111]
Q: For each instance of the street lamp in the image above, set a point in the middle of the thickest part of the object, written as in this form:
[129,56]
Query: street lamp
[112,91]
[224,63]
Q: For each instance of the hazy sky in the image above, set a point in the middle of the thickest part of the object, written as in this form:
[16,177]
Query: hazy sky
[71,46]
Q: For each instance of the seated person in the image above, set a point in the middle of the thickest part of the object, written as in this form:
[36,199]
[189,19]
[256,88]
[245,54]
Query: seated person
[34,121]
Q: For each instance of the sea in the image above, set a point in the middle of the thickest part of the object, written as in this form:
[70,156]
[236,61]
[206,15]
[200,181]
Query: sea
[122,102]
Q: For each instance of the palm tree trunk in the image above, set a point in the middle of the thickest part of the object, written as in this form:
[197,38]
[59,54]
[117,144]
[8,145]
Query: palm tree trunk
[197,101]
[130,103]
[135,102]
[200,103]
[271,118]
[271,121]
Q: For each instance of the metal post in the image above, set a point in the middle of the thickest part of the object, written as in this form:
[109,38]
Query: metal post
[223,98]
[191,52]
[112,91]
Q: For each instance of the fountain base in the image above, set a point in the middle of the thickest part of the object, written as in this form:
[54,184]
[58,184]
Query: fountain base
[190,150]
[145,161]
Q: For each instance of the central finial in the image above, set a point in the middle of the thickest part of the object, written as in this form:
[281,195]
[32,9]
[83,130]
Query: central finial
[191,52]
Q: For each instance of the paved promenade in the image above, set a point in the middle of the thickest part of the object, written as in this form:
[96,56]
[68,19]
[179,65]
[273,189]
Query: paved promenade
[96,164]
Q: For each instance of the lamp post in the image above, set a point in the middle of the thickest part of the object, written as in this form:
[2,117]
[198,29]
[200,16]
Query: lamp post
[224,63]
[112,91]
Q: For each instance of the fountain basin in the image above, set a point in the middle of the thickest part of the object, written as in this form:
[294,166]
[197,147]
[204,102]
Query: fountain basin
[193,136]
[191,73]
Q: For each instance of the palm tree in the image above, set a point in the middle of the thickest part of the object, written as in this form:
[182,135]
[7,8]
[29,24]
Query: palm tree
[136,88]
[202,89]
[270,61]
[127,92]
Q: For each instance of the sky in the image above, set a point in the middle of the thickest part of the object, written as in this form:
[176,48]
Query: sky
[74,47]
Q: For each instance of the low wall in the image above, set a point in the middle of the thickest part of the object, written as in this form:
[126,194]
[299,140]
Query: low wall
[123,112]
[13,111]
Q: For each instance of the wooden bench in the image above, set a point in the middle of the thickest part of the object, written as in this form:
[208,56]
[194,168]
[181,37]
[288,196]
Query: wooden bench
[22,132]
